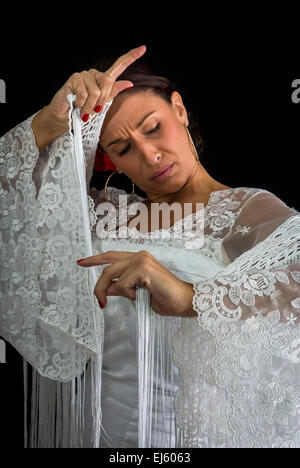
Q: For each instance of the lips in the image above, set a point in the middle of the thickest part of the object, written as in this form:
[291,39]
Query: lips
[161,171]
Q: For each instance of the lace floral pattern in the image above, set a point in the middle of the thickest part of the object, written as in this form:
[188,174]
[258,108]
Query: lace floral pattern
[43,292]
[255,342]
[238,361]
[202,232]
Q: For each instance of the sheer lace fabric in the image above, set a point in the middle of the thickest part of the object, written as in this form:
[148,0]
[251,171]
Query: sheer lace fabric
[45,308]
[237,363]
[48,310]
[244,347]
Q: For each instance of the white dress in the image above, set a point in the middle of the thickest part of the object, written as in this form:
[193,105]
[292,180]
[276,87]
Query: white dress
[237,380]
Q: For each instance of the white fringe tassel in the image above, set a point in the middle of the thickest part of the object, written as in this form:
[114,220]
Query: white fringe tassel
[57,412]
[92,277]
[158,377]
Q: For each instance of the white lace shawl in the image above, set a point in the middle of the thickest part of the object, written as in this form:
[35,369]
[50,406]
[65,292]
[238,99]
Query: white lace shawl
[239,361]
[245,343]
[48,310]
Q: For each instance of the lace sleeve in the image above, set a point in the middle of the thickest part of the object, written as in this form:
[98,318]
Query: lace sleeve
[264,274]
[240,379]
[47,311]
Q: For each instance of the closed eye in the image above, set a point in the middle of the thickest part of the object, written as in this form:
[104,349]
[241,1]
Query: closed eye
[153,130]
[124,150]
[157,127]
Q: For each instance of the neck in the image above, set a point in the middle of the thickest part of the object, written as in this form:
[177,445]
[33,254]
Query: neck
[198,187]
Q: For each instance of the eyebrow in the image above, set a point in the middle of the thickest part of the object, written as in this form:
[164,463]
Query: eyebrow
[138,125]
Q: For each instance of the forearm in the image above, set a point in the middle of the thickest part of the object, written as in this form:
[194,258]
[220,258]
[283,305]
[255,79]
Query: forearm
[46,128]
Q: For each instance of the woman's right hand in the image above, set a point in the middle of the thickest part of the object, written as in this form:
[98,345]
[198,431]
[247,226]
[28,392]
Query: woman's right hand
[93,89]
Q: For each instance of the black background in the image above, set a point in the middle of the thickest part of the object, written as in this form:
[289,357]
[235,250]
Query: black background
[234,69]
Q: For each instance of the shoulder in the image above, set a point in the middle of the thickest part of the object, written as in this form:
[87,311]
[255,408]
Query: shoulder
[263,203]
[252,197]
[234,193]
[261,212]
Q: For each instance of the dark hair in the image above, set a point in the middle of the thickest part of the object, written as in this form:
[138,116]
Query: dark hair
[143,78]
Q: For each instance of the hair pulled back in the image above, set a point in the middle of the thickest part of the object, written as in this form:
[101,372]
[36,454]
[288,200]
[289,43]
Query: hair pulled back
[143,78]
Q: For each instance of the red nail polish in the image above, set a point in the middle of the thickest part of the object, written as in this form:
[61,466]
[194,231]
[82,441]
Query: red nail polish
[85,117]
[98,109]
[101,305]
[81,260]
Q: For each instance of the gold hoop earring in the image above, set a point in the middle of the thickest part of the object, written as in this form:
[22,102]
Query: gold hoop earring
[105,189]
[192,143]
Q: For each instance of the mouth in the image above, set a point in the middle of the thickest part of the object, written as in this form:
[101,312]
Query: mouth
[162,173]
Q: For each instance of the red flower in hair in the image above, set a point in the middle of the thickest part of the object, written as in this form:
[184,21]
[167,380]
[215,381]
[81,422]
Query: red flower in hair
[103,163]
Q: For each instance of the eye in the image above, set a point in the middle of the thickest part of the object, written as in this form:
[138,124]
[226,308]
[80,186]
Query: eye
[155,129]
[150,132]
[124,151]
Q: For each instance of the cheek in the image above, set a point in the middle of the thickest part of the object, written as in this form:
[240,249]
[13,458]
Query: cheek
[173,137]
[178,145]
[171,134]
[130,166]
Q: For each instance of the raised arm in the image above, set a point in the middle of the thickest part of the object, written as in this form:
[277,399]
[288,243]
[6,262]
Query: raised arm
[92,89]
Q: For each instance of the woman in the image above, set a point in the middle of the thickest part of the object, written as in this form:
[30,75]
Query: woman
[225,329]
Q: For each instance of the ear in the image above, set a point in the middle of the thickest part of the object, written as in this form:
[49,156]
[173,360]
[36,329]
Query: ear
[180,110]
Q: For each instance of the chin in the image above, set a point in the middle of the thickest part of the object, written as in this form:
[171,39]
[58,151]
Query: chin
[172,187]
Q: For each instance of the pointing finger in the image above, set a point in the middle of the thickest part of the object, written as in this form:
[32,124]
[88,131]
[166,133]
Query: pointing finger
[124,61]
[102,259]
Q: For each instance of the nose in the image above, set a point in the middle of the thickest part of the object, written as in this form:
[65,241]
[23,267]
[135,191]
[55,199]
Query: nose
[151,155]
[155,158]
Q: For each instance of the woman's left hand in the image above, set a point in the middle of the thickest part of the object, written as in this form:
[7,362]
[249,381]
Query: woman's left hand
[128,270]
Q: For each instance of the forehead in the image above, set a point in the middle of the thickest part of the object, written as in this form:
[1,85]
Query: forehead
[128,109]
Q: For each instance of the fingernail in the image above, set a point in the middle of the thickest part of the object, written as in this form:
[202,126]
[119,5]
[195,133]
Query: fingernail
[81,260]
[98,109]
[85,117]
[101,305]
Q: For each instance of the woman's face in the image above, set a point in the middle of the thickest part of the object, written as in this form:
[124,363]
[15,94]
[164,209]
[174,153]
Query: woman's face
[142,134]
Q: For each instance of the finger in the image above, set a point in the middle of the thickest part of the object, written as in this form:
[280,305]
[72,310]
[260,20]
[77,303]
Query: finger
[77,86]
[102,259]
[105,83]
[112,290]
[110,89]
[93,91]
[125,286]
[118,87]
[109,273]
[115,290]
[124,61]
